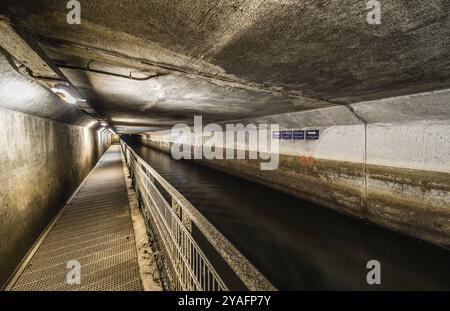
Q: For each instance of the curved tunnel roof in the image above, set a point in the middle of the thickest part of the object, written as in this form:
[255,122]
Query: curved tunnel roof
[147,65]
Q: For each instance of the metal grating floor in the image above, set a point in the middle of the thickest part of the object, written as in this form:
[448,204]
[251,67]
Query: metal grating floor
[95,229]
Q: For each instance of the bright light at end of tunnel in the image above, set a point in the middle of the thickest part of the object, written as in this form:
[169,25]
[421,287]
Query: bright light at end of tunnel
[64,95]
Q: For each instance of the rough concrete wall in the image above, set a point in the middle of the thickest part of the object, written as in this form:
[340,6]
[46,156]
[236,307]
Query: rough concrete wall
[408,178]
[305,168]
[41,164]
[393,169]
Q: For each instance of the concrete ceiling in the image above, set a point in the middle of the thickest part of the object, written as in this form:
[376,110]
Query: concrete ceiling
[22,94]
[230,60]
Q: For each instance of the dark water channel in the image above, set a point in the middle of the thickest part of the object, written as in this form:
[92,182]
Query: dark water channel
[299,245]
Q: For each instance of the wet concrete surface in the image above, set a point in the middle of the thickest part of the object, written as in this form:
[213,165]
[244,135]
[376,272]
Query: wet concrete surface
[299,245]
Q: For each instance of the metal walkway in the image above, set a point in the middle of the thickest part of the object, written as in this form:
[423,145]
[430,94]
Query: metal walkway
[95,229]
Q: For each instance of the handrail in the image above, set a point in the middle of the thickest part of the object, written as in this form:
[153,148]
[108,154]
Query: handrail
[189,267]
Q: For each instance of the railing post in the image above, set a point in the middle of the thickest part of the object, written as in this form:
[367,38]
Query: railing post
[133,179]
[139,200]
[187,223]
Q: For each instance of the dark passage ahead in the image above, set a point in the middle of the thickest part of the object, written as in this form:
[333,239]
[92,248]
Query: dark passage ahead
[299,245]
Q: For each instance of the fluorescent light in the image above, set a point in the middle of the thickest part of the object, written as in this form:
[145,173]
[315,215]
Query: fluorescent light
[91,123]
[64,95]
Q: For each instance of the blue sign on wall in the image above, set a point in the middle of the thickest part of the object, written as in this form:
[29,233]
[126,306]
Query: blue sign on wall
[286,135]
[312,134]
[298,135]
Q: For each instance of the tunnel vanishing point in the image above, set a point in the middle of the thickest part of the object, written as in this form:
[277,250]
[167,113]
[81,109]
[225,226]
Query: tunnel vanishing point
[91,197]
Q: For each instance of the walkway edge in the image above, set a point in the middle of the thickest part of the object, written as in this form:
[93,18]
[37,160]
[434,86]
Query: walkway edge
[147,267]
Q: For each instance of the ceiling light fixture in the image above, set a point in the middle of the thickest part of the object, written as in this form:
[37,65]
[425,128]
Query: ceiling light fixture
[65,95]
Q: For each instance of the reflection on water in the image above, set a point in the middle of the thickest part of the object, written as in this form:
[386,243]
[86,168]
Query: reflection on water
[299,245]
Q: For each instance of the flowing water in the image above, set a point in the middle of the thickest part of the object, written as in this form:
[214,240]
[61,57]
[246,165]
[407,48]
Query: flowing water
[299,245]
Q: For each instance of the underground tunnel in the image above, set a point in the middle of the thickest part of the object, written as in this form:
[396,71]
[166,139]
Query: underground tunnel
[206,145]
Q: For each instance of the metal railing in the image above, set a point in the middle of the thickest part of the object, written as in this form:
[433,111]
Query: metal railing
[172,220]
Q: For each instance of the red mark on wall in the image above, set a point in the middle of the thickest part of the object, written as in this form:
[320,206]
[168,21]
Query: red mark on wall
[307,161]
